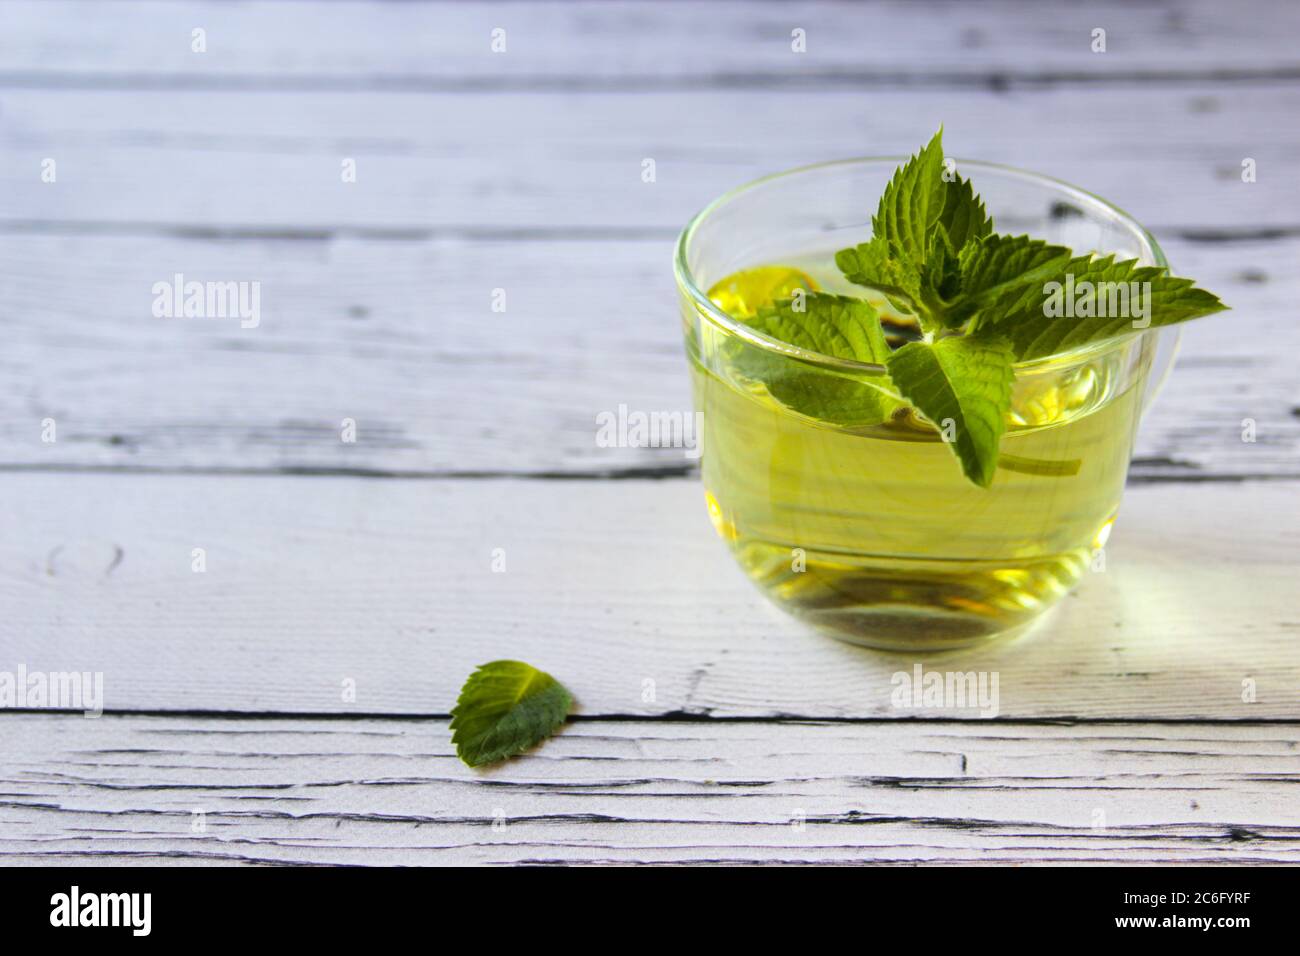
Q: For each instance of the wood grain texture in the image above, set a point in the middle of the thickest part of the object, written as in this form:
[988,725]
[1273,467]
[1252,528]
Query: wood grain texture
[570,162]
[708,723]
[618,588]
[635,44]
[401,337]
[131,789]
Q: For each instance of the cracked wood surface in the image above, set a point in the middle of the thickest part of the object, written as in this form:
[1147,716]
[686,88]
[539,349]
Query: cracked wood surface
[184,790]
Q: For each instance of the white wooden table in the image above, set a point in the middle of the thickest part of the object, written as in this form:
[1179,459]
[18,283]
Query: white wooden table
[709,727]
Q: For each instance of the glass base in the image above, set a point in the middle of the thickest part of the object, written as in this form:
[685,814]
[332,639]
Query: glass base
[913,605]
[911,630]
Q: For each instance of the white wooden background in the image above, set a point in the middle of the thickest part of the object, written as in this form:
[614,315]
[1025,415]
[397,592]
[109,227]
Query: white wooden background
[1122,733]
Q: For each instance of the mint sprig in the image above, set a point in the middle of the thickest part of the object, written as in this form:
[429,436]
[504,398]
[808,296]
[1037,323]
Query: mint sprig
[983,301]
[504,708]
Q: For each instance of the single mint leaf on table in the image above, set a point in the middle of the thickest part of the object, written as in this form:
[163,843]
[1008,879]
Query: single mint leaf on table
[504,708]
[965,382]
[1060,312]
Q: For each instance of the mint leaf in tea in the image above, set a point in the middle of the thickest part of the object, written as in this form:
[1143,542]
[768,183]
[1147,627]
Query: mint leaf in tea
[921,440]
[935,259]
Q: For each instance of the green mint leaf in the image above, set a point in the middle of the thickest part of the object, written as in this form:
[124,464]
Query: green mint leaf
[877,265]
[997,262]
[923,194]
[941,274]
[828,398]
[926,216]
[963,217]
[963,386]
[913,202]
[833,325]
[1089,299]
[996,267]
[504,708]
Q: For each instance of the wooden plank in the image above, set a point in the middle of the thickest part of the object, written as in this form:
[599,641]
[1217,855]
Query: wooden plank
[176,790]
[571,162]
[401,337]
[313,587]
[440,45]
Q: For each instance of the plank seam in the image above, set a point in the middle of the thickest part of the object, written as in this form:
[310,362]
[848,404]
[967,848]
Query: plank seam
[1208,235]
[683,717]
[630,473]
[993,81]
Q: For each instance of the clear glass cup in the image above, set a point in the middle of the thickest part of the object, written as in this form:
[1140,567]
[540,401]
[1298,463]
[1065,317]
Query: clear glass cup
[868,529]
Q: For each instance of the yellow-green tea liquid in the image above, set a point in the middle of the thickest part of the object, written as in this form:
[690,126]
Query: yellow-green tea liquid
[875,534]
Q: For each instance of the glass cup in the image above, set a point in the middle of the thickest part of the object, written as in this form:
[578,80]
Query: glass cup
[866,528]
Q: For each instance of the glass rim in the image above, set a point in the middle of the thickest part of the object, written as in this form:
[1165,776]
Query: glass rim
[686,281]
